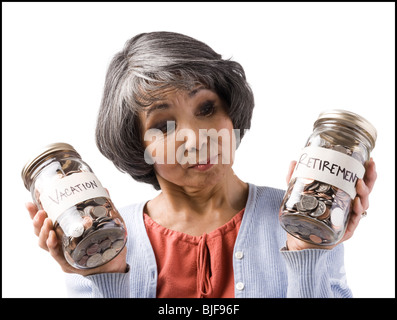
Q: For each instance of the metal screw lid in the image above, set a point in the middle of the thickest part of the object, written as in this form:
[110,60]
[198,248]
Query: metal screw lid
[349,119]
[45,153]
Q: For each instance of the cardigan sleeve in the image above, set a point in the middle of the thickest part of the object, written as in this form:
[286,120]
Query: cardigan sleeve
[140,280]
[316,273]
[102,285]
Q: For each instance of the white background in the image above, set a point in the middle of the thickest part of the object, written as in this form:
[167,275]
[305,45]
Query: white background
[300,59]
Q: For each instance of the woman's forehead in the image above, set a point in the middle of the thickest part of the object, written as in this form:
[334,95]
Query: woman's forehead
[172,91]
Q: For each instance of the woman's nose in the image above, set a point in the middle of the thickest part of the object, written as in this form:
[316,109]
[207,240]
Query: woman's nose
[195,139]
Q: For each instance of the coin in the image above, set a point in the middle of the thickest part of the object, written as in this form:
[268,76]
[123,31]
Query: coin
[300,207]
[94,260]
[108,254]
[105,222]
[315,239]
[89,230]
[320,210]
[87,210]
[87,222]
[304,230]
[75,230]
[100,200]
[292,228]
[323,187]
[324,196]
[117,245]
[313,186]
[325,215]
[309,202]
[83,261]
[99,211]
[337,217]
[92,249]
[105,244]
[78,254]
[98,237]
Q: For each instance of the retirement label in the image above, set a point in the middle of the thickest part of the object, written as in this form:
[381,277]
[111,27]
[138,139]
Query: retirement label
[329,166]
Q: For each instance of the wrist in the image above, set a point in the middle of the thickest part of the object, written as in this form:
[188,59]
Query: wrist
[293,244]
[118,268]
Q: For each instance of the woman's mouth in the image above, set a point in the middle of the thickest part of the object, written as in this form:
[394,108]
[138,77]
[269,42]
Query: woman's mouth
[205,166]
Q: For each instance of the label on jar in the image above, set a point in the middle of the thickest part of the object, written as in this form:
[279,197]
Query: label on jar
[329,166]
[61,194]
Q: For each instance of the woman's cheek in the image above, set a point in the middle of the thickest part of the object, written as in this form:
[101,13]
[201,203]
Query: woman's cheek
[160,149]
[171,173]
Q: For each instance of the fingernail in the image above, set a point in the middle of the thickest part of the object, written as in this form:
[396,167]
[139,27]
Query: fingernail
[36,218]
[51,238]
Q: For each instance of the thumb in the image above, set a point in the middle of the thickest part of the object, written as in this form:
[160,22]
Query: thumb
[290,171]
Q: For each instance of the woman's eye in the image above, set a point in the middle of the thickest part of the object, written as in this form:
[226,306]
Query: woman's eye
[207,109]
[163,126]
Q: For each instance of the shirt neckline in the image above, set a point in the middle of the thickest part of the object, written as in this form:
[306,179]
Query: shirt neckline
[228,226]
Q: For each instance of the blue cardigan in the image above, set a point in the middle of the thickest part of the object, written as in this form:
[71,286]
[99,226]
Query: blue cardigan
[262,266]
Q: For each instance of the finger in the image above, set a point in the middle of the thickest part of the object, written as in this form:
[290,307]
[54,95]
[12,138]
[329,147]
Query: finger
[354,220]
[370,174]
[290,170]
[38,221]
[31,207]
[55,250]
[361,188]
[358,206]
[363,193]
[44,233]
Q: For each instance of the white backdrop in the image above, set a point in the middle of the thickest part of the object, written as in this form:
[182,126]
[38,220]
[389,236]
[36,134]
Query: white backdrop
[300,59]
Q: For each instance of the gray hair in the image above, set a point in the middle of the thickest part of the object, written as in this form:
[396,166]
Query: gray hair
[148,64]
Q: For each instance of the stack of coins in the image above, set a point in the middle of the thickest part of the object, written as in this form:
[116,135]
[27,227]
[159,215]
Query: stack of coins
[314,211]
[91,233]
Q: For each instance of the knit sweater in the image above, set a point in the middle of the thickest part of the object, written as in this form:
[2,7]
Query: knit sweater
[261,264]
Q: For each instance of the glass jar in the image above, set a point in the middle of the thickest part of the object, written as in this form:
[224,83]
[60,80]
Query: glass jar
[316,205]
[86,222]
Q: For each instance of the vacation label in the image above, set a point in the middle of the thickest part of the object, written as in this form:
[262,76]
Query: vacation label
[61,194]
[329,166]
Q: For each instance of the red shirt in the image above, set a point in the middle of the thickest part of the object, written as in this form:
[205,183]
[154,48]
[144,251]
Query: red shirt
[194,266]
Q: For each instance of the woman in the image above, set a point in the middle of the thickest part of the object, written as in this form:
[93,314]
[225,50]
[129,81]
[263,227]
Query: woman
[173,113]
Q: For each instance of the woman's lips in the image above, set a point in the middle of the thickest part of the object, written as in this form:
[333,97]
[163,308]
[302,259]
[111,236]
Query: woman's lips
[204,166]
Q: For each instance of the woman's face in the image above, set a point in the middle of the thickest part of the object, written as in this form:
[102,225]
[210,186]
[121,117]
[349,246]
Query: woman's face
[189,137]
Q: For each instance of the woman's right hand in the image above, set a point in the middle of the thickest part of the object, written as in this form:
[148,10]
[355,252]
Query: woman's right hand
[43,228]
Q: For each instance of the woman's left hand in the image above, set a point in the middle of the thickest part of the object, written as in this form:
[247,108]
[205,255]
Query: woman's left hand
[359,207]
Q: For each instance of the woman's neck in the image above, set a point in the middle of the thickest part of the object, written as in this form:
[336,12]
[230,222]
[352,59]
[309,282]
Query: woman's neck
[198,210]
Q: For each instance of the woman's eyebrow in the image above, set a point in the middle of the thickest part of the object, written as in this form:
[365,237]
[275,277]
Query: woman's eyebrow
[195,90]
[160,106]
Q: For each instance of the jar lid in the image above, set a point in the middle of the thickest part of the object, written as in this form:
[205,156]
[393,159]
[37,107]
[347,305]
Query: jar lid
[45,153]
[351,120]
